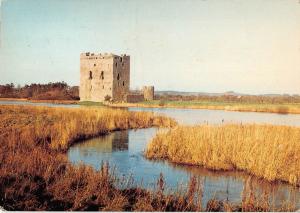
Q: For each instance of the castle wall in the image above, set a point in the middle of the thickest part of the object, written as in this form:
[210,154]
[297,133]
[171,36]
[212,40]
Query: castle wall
[121,82]
[99,77]
[134,98]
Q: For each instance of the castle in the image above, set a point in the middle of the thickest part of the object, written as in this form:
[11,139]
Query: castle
[106,77]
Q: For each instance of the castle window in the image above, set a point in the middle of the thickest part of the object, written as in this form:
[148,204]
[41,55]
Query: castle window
[94,65]
[116,64]
[123,64]
[121,59]
[123,83]
[91,75]
[102,87]
[118,77]
[102,75]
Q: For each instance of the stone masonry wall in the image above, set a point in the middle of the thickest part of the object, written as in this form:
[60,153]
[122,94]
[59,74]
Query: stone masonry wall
[102,75]
[134,98]
[121,75]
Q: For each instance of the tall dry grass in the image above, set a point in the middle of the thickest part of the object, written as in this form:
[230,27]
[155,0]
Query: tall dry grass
[35,173]
[288,108]
[60,127]
[267,151]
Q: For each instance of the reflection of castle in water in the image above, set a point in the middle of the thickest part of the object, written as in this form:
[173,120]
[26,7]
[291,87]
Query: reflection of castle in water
[116,141]
[120,141]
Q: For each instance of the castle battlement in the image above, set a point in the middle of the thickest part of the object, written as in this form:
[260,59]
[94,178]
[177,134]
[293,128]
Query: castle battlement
[89,55]
[106,76]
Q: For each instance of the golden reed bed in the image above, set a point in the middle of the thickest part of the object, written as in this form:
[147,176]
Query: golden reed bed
[267,151]
[60,127]
[240,107]
[35,173]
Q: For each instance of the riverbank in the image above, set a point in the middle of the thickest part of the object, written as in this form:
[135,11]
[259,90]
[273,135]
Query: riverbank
[288,108]
[41,101]
[266,151]
[36,175]
[60,127]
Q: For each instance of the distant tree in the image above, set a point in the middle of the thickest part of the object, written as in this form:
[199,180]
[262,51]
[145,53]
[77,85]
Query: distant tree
[162,103]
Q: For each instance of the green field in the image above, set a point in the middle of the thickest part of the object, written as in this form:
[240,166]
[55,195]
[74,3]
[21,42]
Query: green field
[230,106]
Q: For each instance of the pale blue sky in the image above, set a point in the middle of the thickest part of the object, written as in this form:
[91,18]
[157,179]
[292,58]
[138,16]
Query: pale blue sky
[196,45]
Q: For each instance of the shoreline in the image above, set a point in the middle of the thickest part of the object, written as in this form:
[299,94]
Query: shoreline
[234,107]
[41,101]
[47,147]
[230,148]
[287,108]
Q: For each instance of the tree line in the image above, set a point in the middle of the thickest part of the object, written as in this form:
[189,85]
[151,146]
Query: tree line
[49,91]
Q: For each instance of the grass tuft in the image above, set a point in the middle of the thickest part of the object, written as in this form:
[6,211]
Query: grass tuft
[267,151]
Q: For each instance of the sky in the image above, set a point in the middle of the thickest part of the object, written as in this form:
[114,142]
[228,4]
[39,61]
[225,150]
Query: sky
[194,45]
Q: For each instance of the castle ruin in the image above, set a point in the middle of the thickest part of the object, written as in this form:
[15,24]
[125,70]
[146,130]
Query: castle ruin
[106,77]
[148,93]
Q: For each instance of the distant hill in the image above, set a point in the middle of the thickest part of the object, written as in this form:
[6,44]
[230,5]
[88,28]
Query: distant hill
[170,92]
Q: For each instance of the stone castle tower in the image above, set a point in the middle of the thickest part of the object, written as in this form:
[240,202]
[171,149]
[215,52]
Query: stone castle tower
[103,77]
[148,92]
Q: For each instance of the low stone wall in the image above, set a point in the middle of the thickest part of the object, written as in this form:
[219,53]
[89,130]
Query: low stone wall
[134,98]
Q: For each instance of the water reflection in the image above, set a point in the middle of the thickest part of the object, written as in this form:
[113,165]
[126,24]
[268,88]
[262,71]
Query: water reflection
[236,186]
[124,150]
[118,141]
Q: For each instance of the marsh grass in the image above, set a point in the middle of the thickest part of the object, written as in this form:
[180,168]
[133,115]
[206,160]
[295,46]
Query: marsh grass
[35,173]
[90,103]
[266,151]
[293,108]
[41,101]
[58,128]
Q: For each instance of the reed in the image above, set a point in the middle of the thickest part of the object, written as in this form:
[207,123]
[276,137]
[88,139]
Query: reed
[292,108]
[60,127]
[35,173]
[267,151]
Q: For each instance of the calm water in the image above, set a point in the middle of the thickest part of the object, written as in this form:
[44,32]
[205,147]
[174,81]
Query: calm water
[197,116]
[124,151]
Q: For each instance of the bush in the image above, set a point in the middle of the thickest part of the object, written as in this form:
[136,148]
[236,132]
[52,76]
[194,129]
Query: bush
[161,103]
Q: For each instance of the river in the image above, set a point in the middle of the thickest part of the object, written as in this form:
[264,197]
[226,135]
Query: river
[123,150]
